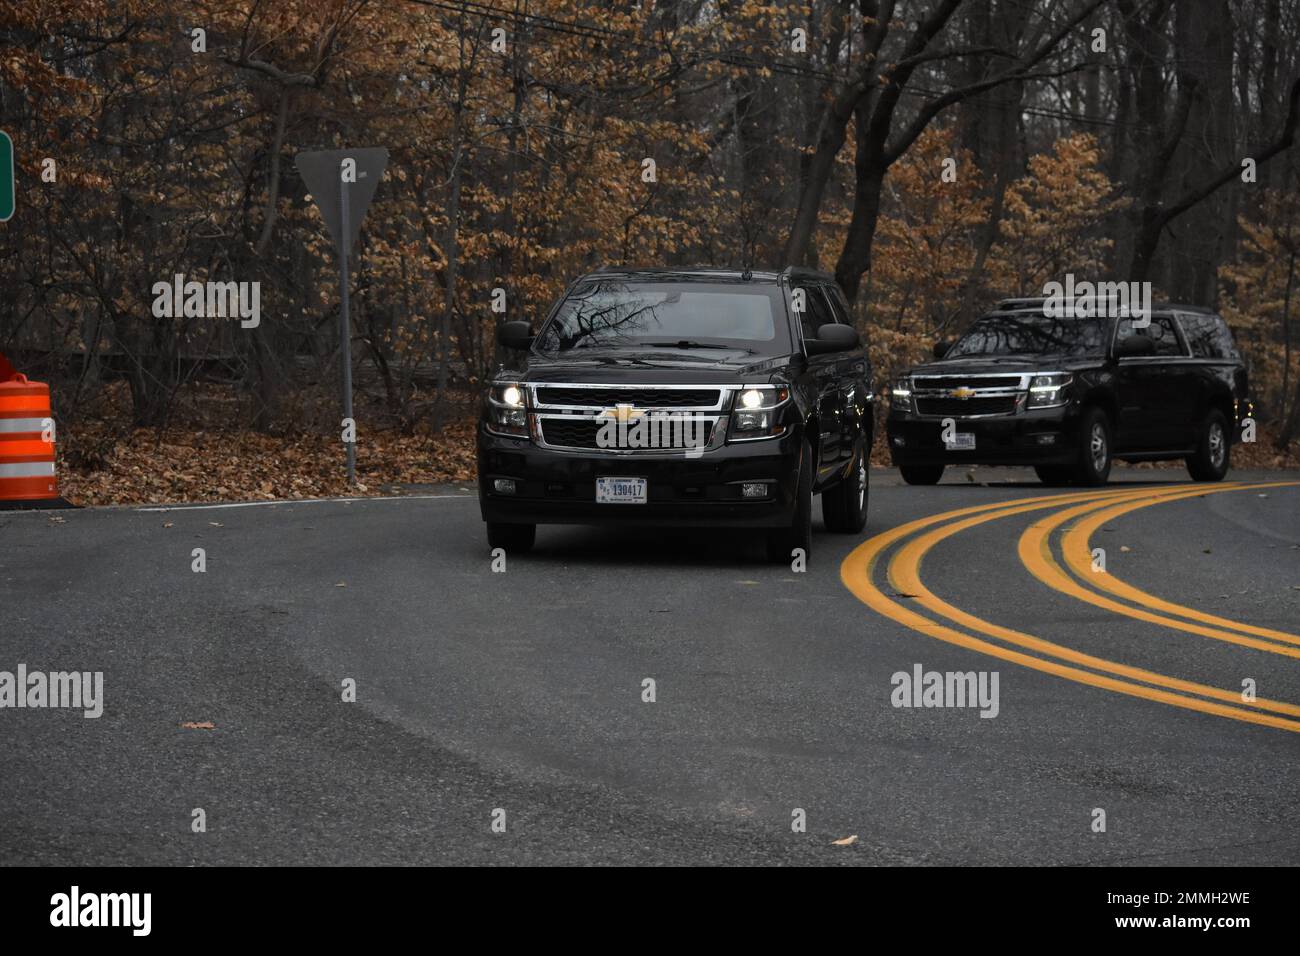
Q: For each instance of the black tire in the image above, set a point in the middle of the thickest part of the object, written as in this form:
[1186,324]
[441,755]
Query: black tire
[517,538]
[783,541]
[1054,475]
[921,474]
[844,507]
[1213,455]
[1095,447]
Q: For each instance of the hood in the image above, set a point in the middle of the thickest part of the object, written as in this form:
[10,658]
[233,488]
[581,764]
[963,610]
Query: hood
[649,366]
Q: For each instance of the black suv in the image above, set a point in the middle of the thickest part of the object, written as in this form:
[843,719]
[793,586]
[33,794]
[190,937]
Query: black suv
[1067,395]
[664,397]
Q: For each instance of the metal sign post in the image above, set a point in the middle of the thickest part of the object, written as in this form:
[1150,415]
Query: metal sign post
[343,200]
[345,334]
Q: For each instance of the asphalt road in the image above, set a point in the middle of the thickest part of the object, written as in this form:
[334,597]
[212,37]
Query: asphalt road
[523,691]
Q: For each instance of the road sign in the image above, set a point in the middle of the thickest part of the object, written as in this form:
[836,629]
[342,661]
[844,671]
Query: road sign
[324,173]
[6,177]
[343,181]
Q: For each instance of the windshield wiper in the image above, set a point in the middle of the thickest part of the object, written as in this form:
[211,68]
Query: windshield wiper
[689,344]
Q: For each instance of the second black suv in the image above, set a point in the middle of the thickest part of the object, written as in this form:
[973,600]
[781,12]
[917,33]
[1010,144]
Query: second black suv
[1069,395]
[665,397]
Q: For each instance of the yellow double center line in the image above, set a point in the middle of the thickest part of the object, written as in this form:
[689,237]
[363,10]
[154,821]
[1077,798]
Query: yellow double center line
[858,571]
[1076,548]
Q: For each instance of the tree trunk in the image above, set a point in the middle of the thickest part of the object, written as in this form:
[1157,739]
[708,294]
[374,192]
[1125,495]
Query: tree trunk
[1290,422]
[1204,51]
[450,250]
[830,139]
[855,258]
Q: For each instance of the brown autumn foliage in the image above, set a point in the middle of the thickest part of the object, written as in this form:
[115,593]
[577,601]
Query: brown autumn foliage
[529,144]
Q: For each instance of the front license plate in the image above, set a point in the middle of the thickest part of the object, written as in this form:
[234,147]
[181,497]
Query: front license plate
[962,441]
[620,491]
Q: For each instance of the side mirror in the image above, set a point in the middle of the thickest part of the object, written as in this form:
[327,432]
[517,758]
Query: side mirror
[515,335]
[941,348]
[833,338]
[1135,346]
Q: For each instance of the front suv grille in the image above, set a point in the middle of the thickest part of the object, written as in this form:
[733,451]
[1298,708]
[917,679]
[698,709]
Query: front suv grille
[580,431]
[617,395]
[575,433]
[963,408]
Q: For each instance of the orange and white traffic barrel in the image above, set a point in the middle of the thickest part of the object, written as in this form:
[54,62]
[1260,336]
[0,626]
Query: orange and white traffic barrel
[26,442]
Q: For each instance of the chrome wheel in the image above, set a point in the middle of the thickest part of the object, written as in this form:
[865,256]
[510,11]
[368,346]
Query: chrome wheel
[1097,446]
[862,480]
[1218,446]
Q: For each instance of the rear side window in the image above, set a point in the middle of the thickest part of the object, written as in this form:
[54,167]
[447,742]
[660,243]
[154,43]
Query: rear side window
[1161,331]
[839,305]
[817,311]
[1207,335]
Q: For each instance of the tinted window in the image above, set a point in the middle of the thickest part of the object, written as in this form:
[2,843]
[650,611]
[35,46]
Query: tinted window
[617,313]
[1029,333]
[1160,331]
[817,311]
[1207,335]
[839,305]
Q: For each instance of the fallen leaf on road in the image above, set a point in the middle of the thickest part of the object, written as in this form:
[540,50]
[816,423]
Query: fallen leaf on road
[1124,547]
[847,841]
[167,524]
[1206,551]
[216,524]
[341,584]
[198,725]
[57,519]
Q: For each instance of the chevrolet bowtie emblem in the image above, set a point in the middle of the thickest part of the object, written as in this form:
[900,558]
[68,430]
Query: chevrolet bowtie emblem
[962,392]
[621,413]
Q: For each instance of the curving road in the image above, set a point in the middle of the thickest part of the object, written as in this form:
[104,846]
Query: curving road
[1117,690]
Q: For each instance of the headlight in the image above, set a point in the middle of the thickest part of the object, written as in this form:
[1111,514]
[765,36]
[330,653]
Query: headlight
[507,410]
[754,412]
[900,396]
[1048,390]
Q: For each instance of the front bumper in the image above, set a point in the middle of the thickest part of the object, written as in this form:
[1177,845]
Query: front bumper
[559,487]
[1048,436]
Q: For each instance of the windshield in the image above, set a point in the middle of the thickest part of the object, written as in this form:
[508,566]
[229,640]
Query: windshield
[617,313]
[1032,334]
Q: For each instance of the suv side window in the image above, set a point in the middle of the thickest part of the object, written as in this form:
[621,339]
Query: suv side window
[1208,335]
[1161,331]
[817,311]
[839,305]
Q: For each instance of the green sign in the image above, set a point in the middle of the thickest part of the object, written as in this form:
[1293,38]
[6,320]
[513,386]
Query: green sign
[6,177]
